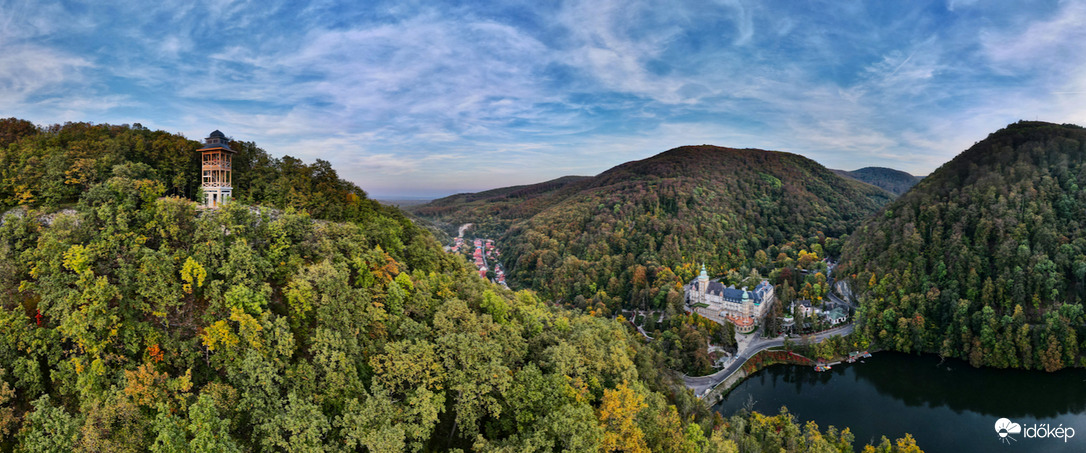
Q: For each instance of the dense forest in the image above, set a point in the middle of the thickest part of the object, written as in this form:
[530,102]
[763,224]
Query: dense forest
[628,239]
[632,235]
[131,320]
[896,182]
[985,259]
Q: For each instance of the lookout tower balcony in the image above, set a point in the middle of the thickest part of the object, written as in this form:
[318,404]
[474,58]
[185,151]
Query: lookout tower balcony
[216,162]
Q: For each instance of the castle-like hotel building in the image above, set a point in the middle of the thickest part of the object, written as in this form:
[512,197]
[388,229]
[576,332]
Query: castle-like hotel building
[742,307]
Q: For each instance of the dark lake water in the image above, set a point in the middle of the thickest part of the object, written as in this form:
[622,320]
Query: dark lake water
[948,406]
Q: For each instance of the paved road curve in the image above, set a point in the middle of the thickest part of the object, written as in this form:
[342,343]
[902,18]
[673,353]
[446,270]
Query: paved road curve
[702,384]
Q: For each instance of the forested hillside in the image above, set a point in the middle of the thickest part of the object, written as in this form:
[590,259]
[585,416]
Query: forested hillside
[631,235]
[132,321]
[896,182]
[985,259]
[492,212]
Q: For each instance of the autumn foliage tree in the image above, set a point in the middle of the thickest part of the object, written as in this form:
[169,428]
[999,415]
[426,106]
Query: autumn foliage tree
[985,259]
[320,321]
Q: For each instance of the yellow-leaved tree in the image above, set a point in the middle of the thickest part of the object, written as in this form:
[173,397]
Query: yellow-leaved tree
[618,417]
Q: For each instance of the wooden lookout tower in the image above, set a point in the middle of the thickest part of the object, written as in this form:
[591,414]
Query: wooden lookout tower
[215,159]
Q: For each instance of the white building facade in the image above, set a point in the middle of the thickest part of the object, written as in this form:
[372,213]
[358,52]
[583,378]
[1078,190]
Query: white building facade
[744,308]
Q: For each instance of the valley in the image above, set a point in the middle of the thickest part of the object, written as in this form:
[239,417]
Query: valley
[538,227]
[743,345]
[894,181]
[483,253]
[666,284]
[696,341]
[1041,334]
[136,318]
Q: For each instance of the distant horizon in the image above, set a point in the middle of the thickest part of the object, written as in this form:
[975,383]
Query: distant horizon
[388,197]
[444,98]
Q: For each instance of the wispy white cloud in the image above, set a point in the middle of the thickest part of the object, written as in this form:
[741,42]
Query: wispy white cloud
[744,21]
[1032,43]
[454,96]
[27,71]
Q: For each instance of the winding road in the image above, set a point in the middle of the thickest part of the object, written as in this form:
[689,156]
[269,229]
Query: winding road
[702,384]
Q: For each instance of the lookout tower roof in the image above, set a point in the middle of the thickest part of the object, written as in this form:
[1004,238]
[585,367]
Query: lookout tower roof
[216,141]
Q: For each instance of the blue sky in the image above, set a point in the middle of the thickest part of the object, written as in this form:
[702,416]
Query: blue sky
[431,98]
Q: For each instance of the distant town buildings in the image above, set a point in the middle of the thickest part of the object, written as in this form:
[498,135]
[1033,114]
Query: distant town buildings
[740,306]
[484,254]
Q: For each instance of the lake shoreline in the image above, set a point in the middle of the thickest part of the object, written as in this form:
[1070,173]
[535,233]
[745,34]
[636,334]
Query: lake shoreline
[945,403]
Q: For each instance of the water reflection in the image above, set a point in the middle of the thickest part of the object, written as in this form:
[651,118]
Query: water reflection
[947,405]
[928,382]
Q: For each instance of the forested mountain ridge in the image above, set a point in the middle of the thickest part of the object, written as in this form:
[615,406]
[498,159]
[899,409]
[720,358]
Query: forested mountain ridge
[526,191]
[631,235]
[984,259]
[137,323]
[896,182]
[493,211]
